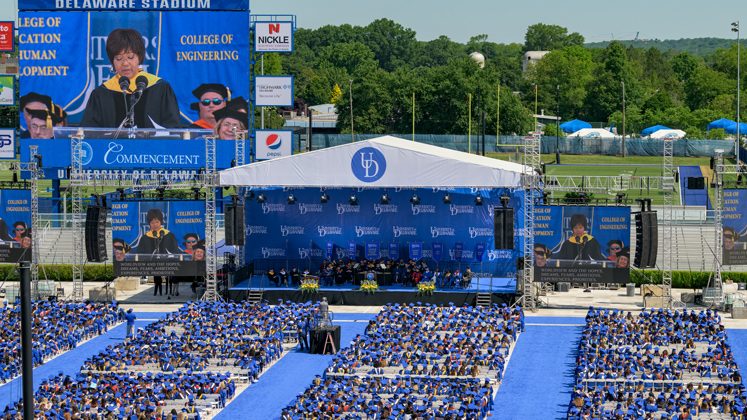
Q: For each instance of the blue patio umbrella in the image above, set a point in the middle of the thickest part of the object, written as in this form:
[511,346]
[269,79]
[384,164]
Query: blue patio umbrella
[574,125]
[654,128]
[732,128]
[720,123]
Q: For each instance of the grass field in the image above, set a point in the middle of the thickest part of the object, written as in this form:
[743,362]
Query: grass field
[596,165]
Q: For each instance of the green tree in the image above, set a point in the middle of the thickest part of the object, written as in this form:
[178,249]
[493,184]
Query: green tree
[542,37]
[705,85]
[562,77]
[605,91]
[392,44]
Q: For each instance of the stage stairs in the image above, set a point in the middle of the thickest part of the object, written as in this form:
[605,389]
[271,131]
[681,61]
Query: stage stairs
[484,299]
[255,296]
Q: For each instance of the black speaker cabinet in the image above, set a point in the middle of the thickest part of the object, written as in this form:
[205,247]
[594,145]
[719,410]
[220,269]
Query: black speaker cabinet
[234,229]
[503,228]
[646,239]
[95,234]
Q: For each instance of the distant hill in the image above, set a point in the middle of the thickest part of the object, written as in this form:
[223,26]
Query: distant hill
[696,46]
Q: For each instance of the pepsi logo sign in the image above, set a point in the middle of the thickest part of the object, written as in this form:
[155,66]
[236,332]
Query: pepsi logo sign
[273,141]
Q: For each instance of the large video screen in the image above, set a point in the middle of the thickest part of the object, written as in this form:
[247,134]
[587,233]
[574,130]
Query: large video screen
[63,53]
[158,238]
[15,226]
[582,244]
[735,227]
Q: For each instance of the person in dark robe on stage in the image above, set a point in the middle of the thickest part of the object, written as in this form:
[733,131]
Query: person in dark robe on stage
[581,246]
[231,119]
[157,240]
[33,101]
[211,97]
[107,107]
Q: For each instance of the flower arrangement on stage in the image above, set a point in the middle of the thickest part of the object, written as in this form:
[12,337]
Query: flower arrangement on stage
[426,287]
[369,286]
[309,284]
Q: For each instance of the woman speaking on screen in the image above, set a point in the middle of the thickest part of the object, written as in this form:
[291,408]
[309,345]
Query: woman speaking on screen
[148,99]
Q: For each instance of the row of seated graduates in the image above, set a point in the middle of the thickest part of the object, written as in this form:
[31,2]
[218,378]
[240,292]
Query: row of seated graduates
[658,364]
[57,326]
[385,271]
[183,365]
[421,361]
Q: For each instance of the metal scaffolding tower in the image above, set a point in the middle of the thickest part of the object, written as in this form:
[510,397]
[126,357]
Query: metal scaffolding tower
[719,170]
[531,183]
[210,181]
[241,191]
[34,170]
[77,181]
[667,184]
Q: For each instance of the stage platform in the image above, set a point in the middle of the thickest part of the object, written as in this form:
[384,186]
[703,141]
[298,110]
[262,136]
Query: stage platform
[503,290]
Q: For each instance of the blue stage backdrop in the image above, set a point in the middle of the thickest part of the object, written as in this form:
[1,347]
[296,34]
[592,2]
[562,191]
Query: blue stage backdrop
[63,52]
[174,159]
[143,245]
[587,253]
[735,227]
[15,226]
[450,235]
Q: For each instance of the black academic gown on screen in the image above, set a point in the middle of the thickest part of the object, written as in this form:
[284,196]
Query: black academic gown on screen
[106,107]
[162,242]
[584,247]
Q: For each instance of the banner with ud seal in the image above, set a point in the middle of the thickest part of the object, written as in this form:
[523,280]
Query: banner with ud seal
[735,227]
[63,53]
[444,234]
[158,238]
[15,226]
[582,244]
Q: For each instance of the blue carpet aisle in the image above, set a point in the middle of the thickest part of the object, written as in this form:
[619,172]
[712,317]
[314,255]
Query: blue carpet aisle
[289,377]
[70,362]
[539,376]
[737,339]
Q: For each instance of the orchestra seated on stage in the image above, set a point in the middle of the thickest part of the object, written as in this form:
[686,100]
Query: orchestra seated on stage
[386,272]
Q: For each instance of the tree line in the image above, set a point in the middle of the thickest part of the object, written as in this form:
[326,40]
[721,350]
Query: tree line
[385,67]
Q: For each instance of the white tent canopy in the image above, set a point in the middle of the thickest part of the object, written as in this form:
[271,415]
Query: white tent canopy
[667,134]
[383,162]
[593,133]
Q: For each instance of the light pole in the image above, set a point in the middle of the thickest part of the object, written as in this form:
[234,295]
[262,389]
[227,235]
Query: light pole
[479,59]
[623,138]
[735,28]
[352,127]
[557,124]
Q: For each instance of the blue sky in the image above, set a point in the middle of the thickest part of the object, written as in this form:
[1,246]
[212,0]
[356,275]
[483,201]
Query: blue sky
[506,21]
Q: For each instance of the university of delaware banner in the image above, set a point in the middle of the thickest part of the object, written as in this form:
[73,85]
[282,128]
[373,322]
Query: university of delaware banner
[63,54]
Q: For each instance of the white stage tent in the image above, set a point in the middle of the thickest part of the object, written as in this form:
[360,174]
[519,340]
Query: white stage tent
[593,133]
[383,162]
[668,134]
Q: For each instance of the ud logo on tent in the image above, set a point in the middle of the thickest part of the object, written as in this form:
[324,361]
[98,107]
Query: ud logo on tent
[368,164]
